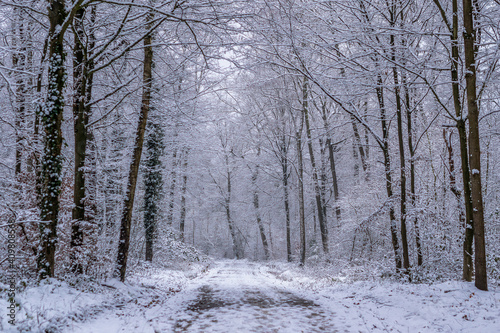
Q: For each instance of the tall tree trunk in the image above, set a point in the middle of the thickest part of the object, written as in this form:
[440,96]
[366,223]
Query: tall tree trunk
[470,49]
[388,175]
[183,192]
[404,240]
[90,205]
[323,177]
[358,145]
[126,219]
[80,118]
[384,145]
[237,249]
[464,155]
[262,232]
[331,158]
[173,181]
[82,87]
[451,169]
[355,163]
[467,268]
[36,130]
[317,189]
[413,195]
[335,181]
[153,182]
[52,113]
[367,138]
[302,221]
[19,64]
[284,178]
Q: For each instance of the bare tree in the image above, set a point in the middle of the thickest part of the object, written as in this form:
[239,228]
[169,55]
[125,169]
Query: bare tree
[126,219]
[317,188]
[470,50]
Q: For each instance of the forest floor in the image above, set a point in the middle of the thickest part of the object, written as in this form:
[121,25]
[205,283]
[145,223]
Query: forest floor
[243,296]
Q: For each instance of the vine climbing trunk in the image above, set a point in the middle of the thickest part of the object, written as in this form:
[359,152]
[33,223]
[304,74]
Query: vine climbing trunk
[153,181]
[51,119]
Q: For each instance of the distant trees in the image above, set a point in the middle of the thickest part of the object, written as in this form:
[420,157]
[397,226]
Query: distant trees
[331,59]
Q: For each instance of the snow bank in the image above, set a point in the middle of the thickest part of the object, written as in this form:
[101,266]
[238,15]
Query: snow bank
[56,306]
[385,305]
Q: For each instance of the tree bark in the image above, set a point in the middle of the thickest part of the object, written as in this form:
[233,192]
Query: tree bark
[153,182]
[262,232]
[52,113]
[388,175]
[237,249]
[404,240]
[126,219]
[300,171]
[464,155]
[451,166]
[317,189]
[173,181]
[19,63]
[358,145]
[384,145]
[331,158]
[411,148]
[80,118]
[35,157]
[284,178]
[183,193]
[470,49]
[462,133]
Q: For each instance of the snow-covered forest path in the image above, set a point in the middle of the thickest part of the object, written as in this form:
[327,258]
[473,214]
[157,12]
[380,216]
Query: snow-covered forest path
[228,296]
[241,297]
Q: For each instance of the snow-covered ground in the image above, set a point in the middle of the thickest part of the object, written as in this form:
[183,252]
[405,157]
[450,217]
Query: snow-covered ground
[242,296]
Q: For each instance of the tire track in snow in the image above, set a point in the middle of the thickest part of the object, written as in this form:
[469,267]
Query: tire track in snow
[237,297]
